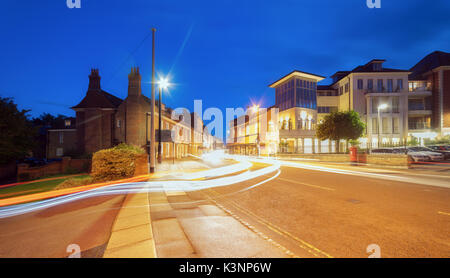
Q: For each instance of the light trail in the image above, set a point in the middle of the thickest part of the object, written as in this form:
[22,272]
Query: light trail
[141,187]
[397,178]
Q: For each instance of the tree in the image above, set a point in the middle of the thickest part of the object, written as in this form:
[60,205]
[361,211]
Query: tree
[341,125]
[16,132]
[48,120]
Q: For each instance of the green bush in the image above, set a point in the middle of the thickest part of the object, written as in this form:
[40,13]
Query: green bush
[74,182]
[115,163]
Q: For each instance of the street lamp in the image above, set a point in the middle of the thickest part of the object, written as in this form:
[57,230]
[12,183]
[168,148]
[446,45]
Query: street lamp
[380,107]
[163,85]
[256,109]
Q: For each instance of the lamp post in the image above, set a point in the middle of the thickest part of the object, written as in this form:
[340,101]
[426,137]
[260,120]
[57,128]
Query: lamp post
[163,84]
[151,149]
[380,107]
[256,109]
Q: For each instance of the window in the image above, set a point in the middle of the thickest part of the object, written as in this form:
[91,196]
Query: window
[384,123]
[360,84]
[395,105]
[67,123]
[118,123]
[61,137]
[375,125]
[395,125]
[399,84]
[370,84]
[375,102]
[380,85]
[347,87]
[59,152]
[390,85]
[326,109]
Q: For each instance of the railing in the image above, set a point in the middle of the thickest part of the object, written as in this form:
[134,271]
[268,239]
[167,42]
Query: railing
[413,126]
[418,107]
[382,91]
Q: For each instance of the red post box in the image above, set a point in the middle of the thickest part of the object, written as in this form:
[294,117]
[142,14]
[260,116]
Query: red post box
[353,154]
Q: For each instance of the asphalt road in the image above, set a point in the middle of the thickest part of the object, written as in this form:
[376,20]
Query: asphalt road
[297,213]
[326,214]
[48,233]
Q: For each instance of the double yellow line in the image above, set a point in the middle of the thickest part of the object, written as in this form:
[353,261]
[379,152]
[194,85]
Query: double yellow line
[299,242]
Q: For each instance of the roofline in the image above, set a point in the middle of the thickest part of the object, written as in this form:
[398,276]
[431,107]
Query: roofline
[300,74]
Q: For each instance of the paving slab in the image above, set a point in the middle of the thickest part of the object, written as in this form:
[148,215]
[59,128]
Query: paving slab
[225,237]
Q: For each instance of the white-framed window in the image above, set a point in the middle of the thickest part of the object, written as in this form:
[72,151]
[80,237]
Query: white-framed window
[119,123]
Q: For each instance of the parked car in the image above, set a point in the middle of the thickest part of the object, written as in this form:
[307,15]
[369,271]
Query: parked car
[441,149]
[414,155]
[382,151]
[33,162]
[434,156]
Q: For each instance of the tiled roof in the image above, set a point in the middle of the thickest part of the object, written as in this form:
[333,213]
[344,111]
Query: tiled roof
[98,99]
[430,62]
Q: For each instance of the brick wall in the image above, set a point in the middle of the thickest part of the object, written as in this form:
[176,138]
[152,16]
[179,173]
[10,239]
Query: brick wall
[446,98]
[24,172]
[435,118]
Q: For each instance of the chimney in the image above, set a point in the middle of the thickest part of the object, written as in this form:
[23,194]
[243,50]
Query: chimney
[134,82]
[94,80]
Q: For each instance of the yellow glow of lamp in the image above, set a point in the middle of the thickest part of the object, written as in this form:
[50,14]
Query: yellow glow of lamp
[255,108]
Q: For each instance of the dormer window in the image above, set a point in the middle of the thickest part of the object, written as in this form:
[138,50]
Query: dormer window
[376,66]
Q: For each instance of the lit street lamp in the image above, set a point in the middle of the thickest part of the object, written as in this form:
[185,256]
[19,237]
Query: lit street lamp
[256,109]
[163,84]
[380,107]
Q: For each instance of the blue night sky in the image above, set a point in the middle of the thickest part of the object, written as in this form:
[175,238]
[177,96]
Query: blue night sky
[223,52]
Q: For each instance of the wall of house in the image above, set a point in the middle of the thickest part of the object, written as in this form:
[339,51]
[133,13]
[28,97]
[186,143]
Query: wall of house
[61,142]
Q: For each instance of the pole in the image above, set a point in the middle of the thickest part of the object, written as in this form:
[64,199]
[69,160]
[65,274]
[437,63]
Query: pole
[379,127]
[257,130]
[152,124]
[159,127]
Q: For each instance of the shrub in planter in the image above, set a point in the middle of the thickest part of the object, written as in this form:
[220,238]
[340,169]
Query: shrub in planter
[115,163]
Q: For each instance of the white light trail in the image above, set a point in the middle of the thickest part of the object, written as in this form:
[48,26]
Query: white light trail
[142,187]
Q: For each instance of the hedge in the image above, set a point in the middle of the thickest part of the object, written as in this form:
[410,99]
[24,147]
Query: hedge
[116,163]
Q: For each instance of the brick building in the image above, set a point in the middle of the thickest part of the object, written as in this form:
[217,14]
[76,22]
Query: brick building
[104,120]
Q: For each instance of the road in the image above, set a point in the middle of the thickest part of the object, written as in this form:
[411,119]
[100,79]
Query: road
[326,214]
[303,209]
[48,233]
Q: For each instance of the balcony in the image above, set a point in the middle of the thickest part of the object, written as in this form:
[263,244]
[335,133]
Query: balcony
[296,133]
[420,88]
[418,125]
[419,109]
[383,91]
